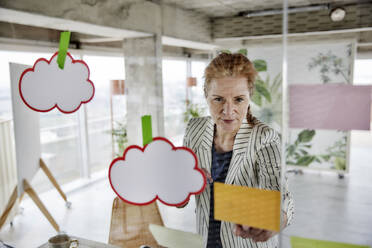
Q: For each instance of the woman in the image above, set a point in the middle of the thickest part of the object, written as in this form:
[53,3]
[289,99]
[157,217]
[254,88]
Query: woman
[234,147]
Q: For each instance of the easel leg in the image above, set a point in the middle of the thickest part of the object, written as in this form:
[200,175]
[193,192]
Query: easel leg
[52,179]
[9,206]
[21,198]
[29,190]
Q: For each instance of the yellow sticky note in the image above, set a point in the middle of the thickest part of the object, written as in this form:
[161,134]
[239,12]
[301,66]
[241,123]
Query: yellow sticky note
[247,206]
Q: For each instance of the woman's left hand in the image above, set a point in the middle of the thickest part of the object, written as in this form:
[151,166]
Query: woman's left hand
[257,234]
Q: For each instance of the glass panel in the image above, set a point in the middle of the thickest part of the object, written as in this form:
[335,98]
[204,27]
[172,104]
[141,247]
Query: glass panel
[103,69]
[362,71]
[174,92]
[6,57]
[329,166]
[60,146]
[59,132]
[197,92]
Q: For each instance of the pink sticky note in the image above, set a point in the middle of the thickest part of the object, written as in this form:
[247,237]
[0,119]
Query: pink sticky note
[330,106]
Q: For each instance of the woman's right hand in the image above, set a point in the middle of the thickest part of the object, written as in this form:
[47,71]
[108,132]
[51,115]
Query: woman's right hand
[208,176]
[209,181]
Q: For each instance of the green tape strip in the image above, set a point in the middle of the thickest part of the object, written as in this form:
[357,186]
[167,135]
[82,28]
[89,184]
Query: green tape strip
[64,41]
[146,129]
[298,242]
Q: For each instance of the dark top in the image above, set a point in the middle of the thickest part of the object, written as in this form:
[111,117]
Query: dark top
[220,167]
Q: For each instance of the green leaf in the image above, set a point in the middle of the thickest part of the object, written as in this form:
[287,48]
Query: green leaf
[297,155]
[257,99]
[290,150]
[290,162]
[192,111]
[120,137]
[225,51]
[340,163]
[260,88]
[303,152]
[305,160]
[243,51]
[325,157]
[306,135]
[267,81]
[260,65]
[276,83]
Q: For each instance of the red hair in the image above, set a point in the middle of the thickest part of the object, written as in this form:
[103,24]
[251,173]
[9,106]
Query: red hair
[231,65]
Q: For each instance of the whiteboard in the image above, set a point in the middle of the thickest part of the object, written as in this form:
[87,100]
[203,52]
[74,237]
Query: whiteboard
[26,131]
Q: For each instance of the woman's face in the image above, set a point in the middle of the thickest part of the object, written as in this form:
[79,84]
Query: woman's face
[228,100]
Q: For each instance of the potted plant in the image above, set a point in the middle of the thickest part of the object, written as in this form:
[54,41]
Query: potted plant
[120,137]
[192,111]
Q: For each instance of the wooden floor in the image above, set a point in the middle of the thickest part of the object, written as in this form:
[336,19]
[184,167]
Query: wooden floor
[327,208]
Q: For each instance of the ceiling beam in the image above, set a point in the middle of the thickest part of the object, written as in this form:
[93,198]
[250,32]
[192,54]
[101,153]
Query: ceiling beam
[168,41]
[114,18]
[43,21]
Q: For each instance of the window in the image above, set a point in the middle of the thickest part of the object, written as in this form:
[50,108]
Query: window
[197,70]
[174,93]
[60,147]
[62,135]
[103,69]
[58,132]
[362,71]
[7,57]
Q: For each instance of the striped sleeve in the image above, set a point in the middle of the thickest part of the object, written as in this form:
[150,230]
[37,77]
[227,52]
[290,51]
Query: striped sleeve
[268,158]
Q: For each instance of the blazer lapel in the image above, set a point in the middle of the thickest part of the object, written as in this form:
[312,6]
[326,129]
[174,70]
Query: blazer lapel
[205,160]
[206,144]
[240,147]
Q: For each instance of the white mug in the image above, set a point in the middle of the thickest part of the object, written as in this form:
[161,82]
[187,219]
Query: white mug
[62,241]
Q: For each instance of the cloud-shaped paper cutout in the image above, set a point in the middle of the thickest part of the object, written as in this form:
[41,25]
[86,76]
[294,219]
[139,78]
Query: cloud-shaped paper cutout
[157,171]
[45,86]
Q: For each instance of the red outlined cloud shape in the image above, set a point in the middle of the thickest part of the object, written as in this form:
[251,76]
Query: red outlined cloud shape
[159,171]
[45,86]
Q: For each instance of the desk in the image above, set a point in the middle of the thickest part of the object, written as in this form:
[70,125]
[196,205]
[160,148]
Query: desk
[85,243]
[130,224]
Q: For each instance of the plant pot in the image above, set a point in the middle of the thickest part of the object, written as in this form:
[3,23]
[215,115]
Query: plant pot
[191,81]
[117,87]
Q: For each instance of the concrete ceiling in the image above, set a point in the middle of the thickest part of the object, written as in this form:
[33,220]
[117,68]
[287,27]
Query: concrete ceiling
[229,8]
[189,24]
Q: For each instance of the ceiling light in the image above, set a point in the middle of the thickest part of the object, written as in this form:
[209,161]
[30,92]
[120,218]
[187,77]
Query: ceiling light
[280,11]
[337,14]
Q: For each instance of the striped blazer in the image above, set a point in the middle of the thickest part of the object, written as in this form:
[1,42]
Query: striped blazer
[255,163]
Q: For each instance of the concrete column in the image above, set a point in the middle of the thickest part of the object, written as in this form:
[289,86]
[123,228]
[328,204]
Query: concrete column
[143,80]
